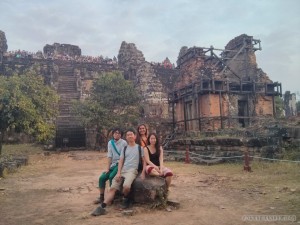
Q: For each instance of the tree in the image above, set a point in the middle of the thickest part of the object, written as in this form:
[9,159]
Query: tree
[279,107]
[113,102]
[27,105]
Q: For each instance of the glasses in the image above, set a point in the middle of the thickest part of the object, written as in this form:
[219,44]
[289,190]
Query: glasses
[117,132]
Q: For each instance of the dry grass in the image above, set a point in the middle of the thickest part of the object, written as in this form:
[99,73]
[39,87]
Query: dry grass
[275,184]
[274,173]
[21,149]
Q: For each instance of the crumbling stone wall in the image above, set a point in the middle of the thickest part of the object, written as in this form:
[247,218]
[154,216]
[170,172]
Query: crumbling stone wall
[62,49]
[189,65]
[151,80]
[264,105]
[167,76]
[155,99]
[129,60]
[244,65]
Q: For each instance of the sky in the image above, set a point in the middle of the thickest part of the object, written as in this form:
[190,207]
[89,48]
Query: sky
[159,28]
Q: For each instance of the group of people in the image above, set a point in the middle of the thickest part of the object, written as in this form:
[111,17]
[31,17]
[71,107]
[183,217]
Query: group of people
[23,54]
[123,161]
[64,57]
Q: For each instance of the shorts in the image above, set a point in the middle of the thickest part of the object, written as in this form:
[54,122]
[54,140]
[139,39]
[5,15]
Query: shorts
[129,176]
[166,171]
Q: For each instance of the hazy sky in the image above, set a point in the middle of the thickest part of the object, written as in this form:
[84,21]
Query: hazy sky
[159,28]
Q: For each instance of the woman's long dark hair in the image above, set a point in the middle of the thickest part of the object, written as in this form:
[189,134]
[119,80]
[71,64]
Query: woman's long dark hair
[157,144]
[138,139]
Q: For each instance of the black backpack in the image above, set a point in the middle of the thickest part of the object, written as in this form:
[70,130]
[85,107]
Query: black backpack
[140,167]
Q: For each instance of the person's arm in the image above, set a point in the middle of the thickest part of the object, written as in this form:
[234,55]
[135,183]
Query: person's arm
[146,156]
[120,166]
[143,174]
[109,156]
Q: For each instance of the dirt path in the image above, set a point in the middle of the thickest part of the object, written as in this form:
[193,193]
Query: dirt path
[60,188]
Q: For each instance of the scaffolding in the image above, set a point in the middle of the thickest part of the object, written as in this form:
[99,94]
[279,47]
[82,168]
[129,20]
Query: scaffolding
[220,87]
[241,85]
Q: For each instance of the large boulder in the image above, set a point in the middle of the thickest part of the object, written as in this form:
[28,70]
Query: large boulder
[149,190]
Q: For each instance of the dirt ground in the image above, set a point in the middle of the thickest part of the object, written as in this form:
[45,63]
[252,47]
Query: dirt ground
[59,189]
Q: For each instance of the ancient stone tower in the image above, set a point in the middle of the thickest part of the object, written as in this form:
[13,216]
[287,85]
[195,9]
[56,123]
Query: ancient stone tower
[220,90]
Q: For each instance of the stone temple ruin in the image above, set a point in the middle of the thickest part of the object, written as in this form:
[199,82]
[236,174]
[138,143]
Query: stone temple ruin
[225,91]
[209,89]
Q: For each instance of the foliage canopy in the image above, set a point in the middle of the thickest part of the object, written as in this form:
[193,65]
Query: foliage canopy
[279,107]
[27,105]
[113,101]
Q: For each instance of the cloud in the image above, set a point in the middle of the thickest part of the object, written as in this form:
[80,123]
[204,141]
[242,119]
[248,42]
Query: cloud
[159,28]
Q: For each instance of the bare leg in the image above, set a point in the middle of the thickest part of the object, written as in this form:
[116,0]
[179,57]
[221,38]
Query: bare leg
[100,210]
[110,196]
[154,173]
[168,181]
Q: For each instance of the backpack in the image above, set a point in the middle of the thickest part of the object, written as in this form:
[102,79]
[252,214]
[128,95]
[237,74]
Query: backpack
[140,166]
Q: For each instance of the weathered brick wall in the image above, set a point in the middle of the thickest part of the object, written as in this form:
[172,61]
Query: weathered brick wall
[215,105]
[225,104]
[179,111]
[167,76]
[264,106]
[210,112]
[205,105]
[189,71]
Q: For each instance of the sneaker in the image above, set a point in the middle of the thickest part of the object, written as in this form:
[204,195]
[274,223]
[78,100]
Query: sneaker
[126,203]
[99,211]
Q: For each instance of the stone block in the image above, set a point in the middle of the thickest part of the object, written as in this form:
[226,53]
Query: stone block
[148,190]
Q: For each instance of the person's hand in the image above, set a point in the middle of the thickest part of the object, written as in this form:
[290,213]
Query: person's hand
[156,168]
[106,171]
[118,177]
